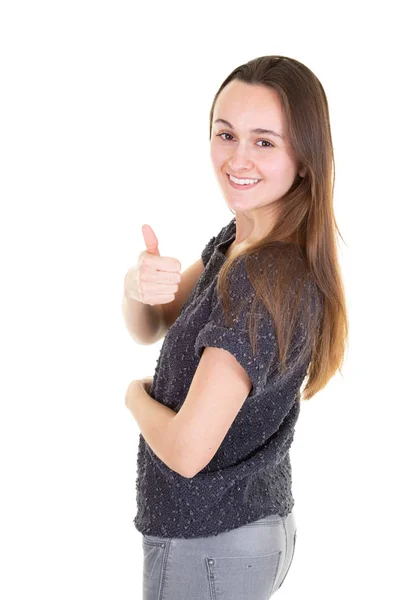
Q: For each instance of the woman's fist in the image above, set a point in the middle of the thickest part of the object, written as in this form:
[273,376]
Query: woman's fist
[154,279]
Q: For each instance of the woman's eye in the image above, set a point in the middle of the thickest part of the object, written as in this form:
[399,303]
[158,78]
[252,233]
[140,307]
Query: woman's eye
[266,141]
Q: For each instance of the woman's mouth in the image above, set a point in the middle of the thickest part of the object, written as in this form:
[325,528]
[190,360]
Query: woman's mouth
[241,186]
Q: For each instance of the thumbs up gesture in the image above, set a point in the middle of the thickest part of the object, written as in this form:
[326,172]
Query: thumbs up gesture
[154,279]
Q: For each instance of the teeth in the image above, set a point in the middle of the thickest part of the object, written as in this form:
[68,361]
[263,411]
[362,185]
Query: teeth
[242,181]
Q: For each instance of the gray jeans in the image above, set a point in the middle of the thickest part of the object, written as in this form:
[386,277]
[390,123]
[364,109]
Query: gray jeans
[247,563]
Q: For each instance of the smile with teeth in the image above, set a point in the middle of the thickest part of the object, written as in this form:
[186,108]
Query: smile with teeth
[243,183]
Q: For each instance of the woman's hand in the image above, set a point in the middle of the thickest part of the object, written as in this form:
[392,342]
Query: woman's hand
[147,383]
[134,386]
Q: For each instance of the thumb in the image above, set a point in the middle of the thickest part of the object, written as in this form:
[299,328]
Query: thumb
[150,240]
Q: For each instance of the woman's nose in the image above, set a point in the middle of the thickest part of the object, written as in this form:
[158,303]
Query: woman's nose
[240,158]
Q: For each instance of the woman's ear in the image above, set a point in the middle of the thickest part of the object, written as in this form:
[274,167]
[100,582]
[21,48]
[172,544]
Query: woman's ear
[302,172]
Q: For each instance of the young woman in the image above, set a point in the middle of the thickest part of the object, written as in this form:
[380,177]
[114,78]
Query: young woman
[260,314]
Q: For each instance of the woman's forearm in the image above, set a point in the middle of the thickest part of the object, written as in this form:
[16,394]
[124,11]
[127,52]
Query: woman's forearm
[157,425]
[144,322]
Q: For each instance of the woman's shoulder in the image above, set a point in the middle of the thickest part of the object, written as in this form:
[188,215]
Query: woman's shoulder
[223,234]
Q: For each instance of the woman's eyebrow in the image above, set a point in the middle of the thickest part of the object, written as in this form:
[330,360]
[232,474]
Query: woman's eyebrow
[258,130]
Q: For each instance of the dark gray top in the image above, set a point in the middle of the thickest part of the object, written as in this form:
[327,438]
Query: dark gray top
[250,475]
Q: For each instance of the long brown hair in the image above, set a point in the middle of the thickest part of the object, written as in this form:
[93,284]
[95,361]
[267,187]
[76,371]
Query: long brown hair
[298,258]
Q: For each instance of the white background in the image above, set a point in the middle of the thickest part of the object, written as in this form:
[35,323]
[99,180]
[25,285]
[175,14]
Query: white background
[104,110]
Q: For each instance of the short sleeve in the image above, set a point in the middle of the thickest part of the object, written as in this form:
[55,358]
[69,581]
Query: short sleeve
[236,339]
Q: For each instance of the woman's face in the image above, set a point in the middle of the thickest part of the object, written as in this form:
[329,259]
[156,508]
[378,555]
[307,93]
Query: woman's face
[246,154]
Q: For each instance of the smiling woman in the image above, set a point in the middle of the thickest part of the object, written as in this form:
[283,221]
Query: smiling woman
[241,154]
[266,315]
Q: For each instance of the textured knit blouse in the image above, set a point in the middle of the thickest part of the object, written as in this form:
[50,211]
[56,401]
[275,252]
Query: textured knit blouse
[250,475]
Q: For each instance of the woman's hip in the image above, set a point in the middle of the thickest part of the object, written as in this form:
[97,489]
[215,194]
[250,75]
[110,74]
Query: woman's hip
[248,562]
